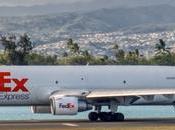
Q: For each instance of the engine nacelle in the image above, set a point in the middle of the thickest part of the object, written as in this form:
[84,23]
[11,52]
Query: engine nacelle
[68,106]
[41,109]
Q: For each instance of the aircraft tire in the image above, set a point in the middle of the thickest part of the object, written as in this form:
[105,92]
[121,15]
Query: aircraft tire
[118,117]
[105,117]
[93,116]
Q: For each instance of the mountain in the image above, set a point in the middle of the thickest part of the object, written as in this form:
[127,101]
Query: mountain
[128,17]
[54,27]
[36,8]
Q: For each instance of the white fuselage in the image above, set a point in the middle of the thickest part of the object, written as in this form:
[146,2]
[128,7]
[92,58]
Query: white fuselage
[44,80]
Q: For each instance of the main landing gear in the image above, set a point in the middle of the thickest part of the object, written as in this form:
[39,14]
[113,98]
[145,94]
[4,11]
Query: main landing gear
[107,116]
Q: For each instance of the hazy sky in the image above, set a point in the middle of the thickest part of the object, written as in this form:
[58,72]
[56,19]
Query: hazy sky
[97,2]
[34,2]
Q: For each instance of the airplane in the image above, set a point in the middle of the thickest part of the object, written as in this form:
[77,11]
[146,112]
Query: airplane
[68,90]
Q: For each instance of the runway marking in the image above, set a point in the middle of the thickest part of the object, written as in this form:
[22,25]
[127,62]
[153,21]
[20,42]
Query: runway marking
[70,124]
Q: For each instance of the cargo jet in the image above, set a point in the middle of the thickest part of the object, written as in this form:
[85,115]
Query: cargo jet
[67,90]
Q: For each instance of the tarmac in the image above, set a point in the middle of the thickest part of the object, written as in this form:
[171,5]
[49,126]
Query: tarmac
[66,124]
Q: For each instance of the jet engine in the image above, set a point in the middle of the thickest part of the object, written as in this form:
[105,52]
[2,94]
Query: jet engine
[41,109]
[68,106]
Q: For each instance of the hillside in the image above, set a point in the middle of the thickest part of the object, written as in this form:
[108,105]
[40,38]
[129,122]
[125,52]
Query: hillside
[24,7]
[56,27]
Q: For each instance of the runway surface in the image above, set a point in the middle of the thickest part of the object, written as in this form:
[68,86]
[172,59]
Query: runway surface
[56,124]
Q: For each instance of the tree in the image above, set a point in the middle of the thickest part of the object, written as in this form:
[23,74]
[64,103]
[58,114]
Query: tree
[116,47]
[24,46]
[162,56]
[9,44]
[38,59]
[3,59]
[86,53]
[65,54]
[74,47]
[105,57]
[132,58]
[137,52]
[73,60]
[16,50]
[87,56]
[69,42]
[120,56]
[161,48]
[163,60]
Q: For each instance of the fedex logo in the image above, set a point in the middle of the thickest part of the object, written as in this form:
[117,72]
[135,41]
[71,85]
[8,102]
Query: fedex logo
[5,80]
[68,105]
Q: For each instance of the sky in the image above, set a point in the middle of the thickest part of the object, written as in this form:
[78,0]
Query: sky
[34,2]
[45,2]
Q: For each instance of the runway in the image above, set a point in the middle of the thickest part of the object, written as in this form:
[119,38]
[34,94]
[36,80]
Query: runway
[84,124]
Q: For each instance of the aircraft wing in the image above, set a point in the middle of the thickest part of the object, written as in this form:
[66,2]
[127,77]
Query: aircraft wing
[109,93]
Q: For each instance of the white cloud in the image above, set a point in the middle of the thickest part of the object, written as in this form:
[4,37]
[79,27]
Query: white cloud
[34,2]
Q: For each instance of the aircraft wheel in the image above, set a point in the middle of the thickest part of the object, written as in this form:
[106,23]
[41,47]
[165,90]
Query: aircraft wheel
[118,117]
[104,116]
[93,116]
